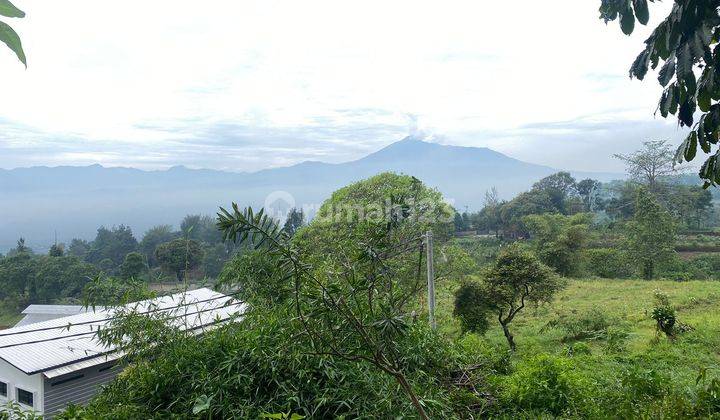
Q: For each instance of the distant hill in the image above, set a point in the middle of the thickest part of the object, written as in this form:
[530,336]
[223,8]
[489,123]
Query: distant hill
[74,201]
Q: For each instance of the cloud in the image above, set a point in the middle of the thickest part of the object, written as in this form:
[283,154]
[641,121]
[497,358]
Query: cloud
[241,86]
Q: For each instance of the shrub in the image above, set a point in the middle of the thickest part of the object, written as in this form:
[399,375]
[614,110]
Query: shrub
[665,318]
[607,263]
[592,324]
[473,316]
[578,349]
[616,340]
[546,383]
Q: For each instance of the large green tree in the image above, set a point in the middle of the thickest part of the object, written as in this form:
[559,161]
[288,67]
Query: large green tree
[650,234]
[179,256]
[134,266]
[153,237]
[200,228]
[558,239]
[112,244]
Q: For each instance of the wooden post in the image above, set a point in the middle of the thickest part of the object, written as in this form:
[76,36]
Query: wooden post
[430,278]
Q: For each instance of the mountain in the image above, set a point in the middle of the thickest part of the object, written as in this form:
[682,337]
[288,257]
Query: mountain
[71,201]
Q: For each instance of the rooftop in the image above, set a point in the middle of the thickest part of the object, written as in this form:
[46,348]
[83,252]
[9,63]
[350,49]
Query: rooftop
[66,344]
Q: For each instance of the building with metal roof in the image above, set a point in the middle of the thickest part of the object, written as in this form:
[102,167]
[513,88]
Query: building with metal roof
[47,365]
[40,313]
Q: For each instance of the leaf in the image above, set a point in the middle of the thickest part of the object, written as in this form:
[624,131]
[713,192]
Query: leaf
[665,103]
[627,20]
[667,72]
[704,145]
[691,147]
[687,109]
[639,67]
[12,40]
[684,62]
[675,99]
[641,11]
[7,9]
[202,403]
[703,99]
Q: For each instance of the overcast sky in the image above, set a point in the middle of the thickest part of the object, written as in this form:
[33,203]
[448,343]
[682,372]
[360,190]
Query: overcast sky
[244,85]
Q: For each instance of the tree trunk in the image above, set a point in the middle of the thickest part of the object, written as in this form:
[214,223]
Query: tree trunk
[648,270]
[509,337]
[408,390]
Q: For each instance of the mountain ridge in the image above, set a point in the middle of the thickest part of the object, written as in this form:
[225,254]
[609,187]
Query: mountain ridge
[76,200]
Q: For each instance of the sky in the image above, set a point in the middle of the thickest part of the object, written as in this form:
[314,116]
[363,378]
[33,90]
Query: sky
[246,85]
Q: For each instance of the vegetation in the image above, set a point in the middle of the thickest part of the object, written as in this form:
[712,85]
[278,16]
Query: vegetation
[651,234]
[684,46]
[515,280]
[179,256]
[343,297]
[7,35]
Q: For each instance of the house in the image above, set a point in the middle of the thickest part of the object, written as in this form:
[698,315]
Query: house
[47,365]
[39,313]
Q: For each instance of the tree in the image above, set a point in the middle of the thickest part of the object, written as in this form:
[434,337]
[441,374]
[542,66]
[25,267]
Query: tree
[78,248]
[559,239]
[109,291]
[113,244]
[133,266]
[559,187]
[153,237]
[200,228]
[685,44]
[489,217]
[621,205]
[21,248]
[516,279]
[650,234]
[214,258]
[530,202]
[58,277]
[649,165]
[57,250]
[7,35]
[295,220]
[256,275]
[179,256]
[587,189]
[354,272]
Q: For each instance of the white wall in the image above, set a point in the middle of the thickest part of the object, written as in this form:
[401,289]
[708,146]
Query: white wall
[18,379]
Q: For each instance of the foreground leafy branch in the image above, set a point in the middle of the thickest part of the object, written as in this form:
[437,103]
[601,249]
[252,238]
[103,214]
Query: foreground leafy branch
[685,48]
[7,33]
[355,310]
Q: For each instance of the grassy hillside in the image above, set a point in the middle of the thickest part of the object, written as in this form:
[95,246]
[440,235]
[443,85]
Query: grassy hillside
[610,362]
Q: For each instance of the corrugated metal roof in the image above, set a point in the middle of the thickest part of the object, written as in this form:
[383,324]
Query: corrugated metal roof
[40,313]
[55,309]
[72,343]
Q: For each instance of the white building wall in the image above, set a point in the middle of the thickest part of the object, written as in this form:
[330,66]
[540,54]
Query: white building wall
[18,379]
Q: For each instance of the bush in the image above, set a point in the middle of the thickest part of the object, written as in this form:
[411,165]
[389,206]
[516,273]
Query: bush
[243,370]
[592,324]
[544,383]
[472,315]
[616,340]
[607,263]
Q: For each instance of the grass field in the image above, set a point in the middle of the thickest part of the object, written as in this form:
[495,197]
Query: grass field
[624,305]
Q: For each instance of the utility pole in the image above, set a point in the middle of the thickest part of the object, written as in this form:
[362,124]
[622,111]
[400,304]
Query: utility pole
[430,278]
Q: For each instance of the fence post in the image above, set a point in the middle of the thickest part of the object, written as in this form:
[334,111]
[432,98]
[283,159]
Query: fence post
[430,278]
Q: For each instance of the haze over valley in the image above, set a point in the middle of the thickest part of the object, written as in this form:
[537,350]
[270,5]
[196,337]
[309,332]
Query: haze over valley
[73,201]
